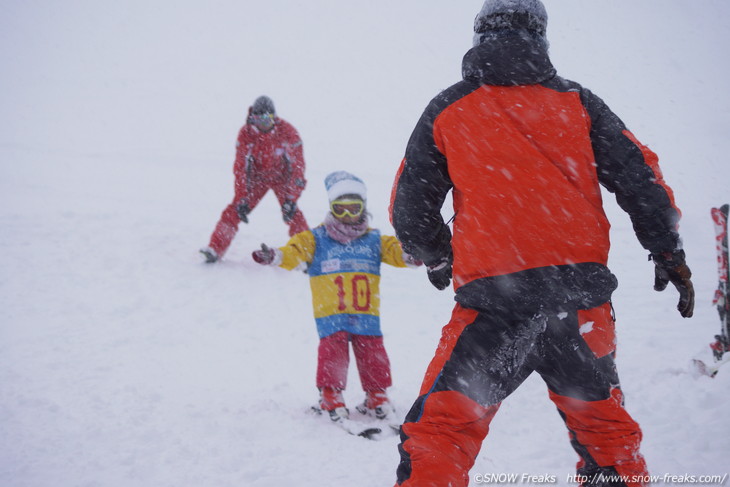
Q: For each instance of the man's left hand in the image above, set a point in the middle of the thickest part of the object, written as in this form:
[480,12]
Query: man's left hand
[671,267]
[288,210]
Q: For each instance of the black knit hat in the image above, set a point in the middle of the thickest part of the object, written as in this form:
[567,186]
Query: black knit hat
[263,104]
[501,15]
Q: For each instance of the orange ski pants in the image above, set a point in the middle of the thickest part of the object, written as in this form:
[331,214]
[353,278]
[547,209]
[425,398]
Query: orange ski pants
[483,357]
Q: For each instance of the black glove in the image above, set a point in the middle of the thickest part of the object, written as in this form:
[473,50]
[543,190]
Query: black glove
[439,273]
[671,267]
[265,256]
[288,210]
[243,210]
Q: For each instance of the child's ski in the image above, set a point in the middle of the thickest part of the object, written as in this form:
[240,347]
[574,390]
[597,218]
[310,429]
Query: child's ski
[374,430]
[710,364]
[358,429]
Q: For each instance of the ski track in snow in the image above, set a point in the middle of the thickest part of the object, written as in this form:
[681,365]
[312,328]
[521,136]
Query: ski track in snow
[125,361]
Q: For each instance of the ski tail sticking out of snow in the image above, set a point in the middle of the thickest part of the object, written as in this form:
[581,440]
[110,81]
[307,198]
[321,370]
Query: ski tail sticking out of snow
[722,300]
[709,363]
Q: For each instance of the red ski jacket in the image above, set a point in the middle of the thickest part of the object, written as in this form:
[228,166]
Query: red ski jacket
[273,158]
[524,151]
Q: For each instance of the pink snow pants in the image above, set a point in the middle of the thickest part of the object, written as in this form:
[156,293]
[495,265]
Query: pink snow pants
[372,361]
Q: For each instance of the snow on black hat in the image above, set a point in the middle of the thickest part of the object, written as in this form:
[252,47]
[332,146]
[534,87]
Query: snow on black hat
[498,15]
[263,104]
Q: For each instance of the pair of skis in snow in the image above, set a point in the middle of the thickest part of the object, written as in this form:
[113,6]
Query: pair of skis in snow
[363,425]
[710,359]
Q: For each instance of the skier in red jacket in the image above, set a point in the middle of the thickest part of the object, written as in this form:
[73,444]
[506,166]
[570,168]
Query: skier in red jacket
[525,153]
[269,156]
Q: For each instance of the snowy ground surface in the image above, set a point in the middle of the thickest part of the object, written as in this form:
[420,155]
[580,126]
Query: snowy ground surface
[124,361]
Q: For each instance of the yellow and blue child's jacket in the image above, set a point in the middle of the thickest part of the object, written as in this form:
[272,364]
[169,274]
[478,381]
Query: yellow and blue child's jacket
[345,278]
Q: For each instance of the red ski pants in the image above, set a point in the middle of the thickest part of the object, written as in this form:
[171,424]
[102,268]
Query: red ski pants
[482,358]
[372,361]
[227,226]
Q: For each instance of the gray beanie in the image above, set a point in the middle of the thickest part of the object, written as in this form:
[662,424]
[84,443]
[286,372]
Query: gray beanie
[263,104]
[497,15]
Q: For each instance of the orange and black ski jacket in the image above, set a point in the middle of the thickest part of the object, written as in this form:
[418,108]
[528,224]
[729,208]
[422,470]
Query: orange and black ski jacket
[525,151]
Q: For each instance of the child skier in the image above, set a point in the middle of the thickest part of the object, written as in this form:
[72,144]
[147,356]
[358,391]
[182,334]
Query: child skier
[343,255]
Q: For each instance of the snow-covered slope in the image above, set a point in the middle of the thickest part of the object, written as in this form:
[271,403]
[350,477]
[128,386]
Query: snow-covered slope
[124,361]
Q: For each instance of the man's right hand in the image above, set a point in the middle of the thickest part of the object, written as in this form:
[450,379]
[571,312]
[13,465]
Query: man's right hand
[243,210]
[439,273]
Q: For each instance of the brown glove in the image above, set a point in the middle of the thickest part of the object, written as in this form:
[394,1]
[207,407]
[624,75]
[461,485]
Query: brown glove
[671,267]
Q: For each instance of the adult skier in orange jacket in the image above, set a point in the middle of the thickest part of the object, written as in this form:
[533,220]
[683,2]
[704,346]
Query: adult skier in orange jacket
[524,152]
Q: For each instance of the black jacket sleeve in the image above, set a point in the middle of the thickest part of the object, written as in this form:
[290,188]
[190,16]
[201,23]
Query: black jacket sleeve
[623,169]
[419,193]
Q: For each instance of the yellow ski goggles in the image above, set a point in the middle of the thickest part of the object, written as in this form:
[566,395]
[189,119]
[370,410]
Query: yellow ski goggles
[340,208]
